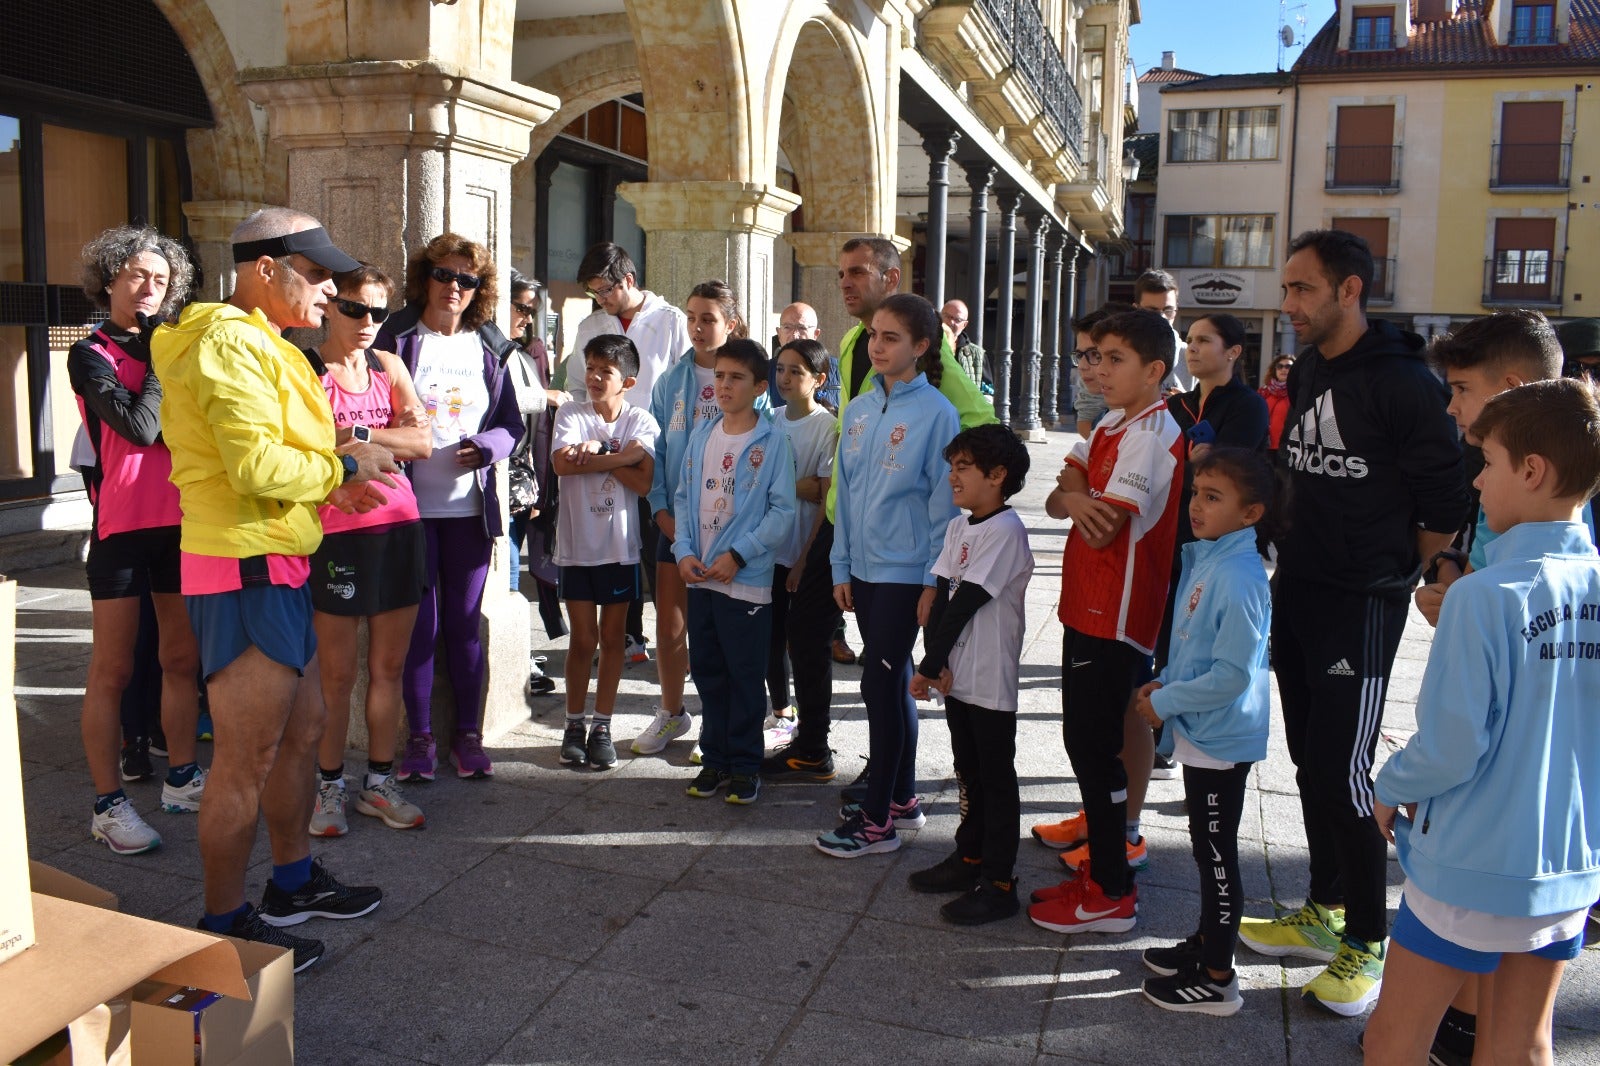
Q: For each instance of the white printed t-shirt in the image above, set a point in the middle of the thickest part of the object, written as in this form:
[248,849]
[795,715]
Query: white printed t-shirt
[813,439]
[598,520]
[994,553]
[449,380]
[718,463]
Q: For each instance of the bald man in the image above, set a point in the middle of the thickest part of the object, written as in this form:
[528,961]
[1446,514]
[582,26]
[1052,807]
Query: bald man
[798,322]
[968,355]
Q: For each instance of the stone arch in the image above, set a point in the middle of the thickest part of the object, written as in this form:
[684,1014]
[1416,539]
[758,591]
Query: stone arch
[226,162]
[821,109]
[580,83]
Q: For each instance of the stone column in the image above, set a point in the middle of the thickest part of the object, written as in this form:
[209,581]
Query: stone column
[1025,417]
[1006,279]
[980,177]
[940,144]
[1065,412]
[1050,379]
[211,225]
[389,154]
[713,229]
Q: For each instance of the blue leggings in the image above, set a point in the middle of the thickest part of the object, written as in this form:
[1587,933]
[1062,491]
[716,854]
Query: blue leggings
[887,615]
[452,607]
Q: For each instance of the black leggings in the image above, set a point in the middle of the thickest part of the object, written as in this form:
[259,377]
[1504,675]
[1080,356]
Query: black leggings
[1216,799]
[887,615]
[1097,681]
[803,623]
[984,744]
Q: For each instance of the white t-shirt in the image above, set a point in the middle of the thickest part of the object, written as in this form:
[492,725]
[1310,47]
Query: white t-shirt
[1481,931]
[813,440]
[993,553]
[598,520]
[1185,753]
[449,380]
[716,508]
[705,394]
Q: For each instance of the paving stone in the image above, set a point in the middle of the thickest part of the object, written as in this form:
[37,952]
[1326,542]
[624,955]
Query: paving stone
[847,1040]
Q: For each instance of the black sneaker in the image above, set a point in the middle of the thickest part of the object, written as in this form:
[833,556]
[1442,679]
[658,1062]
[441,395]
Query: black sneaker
[320,897]
[986,901]
[743,788]
[952,874]
[1192,991]
[790,763]
[707,783]
[1163,768]
[1183,955]
[136,760]
[574,749]
[158,742]
[601,752]
[249,926]
[856,791]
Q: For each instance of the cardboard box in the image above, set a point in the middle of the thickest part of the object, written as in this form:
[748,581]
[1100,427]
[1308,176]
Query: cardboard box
[232,1032]
[16,909]
[48,881]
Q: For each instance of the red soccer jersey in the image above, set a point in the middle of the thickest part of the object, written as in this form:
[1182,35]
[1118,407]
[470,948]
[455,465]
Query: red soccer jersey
[1118,592]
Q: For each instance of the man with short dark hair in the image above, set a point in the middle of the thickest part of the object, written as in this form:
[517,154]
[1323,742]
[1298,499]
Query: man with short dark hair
[253,454]
[1156,290]
[1377,488]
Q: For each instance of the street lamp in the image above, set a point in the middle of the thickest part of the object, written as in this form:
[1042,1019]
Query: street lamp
[1130,167]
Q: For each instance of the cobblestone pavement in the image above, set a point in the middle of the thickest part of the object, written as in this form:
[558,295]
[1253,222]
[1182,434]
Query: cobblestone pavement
[555,915]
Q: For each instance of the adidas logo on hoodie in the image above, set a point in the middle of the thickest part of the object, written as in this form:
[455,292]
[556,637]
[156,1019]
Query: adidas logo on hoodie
[1316,446]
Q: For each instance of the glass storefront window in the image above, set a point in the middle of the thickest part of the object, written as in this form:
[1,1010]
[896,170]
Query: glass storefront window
[570,209]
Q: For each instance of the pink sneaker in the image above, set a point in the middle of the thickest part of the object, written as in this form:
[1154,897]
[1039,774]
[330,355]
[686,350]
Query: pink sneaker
[420,760]
[469,755]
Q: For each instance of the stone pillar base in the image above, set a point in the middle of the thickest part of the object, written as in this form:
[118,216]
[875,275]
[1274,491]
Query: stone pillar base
[1032,436]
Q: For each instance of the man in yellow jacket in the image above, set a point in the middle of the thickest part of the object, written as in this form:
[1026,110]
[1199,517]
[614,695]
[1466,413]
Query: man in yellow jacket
[253,454]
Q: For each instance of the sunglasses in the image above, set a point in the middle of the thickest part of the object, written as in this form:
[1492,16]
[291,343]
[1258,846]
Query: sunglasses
[445,276]
[351,309]
[1086,355]
[526,309]
[1282,366]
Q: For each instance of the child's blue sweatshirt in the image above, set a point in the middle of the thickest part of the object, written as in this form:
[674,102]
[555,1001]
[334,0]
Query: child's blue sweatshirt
[1214,688]
[1505,764]
[894,498]
[672,403]
[763,501]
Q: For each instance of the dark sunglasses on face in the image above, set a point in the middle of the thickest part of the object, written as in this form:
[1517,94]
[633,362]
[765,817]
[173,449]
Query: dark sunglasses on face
[1282,366]
[351,309]
[444,276]
[526,309]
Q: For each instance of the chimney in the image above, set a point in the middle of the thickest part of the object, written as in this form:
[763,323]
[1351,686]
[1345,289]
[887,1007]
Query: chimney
[1169,60]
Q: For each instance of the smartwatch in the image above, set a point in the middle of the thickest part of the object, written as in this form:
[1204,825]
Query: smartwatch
[605,447]
[362,434]
[350,466]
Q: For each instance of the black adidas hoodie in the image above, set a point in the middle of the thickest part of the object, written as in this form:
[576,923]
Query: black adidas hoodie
[1372,455]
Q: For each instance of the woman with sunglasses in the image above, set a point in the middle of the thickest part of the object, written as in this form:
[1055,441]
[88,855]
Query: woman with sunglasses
[1276,393]
[447,339]
[368,565]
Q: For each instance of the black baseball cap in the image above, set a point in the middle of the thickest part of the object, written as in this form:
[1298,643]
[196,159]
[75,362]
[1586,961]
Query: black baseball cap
[313,243]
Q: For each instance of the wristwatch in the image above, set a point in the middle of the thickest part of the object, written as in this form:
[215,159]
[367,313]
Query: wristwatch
[350,467]
[605,447]
[1430,573]
[362,434]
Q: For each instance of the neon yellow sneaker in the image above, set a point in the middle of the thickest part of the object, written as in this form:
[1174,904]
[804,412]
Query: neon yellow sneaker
[1351,982]
[1312,932]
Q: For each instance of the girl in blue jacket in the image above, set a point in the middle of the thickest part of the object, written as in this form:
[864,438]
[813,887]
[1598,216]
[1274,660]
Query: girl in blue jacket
[892,506]
[1212,696]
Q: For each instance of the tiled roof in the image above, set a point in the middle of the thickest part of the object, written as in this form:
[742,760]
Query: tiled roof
[1270,80]
[1464,41]
[1147,147]
[1159,75]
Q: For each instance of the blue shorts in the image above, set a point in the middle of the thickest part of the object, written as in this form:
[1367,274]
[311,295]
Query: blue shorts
[275,618]
[664,550]
[1409,932]
[605,584]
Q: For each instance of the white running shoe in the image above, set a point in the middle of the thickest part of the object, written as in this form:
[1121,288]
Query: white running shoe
[123,831]
[694,756]
[663,729]
[635,652]
[328,817]
[182,799]
[779,729]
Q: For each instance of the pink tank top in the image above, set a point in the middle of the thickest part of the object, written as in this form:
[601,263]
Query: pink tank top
[136,489]
[375,408]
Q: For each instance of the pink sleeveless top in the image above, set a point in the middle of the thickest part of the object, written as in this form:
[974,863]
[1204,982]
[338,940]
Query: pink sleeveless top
[375,408]
[136,489]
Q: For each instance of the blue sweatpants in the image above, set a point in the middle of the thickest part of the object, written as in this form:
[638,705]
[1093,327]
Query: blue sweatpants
[887,615]
[728,662]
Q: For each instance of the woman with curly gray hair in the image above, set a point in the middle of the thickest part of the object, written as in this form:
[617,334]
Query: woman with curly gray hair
[136,275]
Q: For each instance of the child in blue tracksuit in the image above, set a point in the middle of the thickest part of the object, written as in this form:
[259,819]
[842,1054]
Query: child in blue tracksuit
[733,509]
[892,506]
[1501,782]
[1212,696]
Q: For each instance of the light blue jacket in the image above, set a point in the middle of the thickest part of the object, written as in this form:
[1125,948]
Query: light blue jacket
[1505,764]
[1214,688]
[894,485]
[763,501]
[672,403]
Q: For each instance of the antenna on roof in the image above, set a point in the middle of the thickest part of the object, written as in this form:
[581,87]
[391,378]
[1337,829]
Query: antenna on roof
[1288,36]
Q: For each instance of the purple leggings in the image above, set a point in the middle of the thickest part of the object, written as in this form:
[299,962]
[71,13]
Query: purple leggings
[452,605]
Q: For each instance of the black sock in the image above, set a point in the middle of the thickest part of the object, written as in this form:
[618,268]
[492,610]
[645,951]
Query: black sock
[336,774]
[1458,1032]
[104,803]
[380,769]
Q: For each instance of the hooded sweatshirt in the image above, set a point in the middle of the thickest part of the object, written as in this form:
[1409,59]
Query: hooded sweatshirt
[250,431]
[658,330]
[1372,456]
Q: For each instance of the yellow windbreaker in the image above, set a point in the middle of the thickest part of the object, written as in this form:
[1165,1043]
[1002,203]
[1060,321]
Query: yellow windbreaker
[250,431]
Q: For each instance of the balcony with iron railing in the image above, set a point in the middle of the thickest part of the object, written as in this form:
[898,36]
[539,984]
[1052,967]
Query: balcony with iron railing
[1530,167]
[1522,278]
[1363,168]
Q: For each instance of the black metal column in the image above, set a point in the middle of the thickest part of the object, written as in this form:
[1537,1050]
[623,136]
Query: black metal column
[1026,419]
[980,177]
[1006,279]
[940,144]
[1051,376]
[1069,306]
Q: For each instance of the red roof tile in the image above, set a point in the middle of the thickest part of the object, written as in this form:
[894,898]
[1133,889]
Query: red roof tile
[1157,75]
[1465,41]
